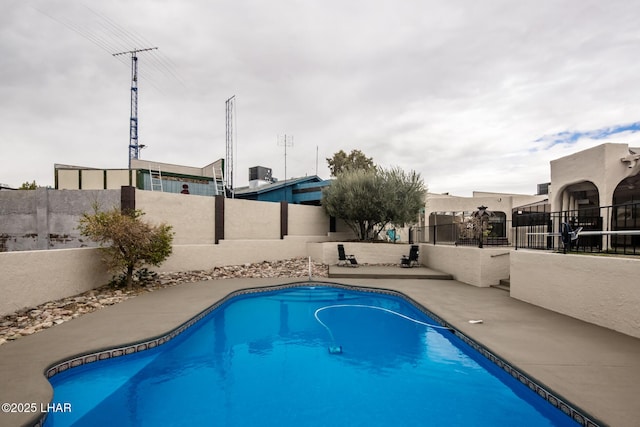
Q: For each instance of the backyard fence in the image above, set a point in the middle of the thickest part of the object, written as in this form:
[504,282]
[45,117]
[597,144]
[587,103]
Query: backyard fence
[607,229]
[465,229]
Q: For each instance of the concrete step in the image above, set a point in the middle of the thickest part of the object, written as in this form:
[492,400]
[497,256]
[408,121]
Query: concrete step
[504,284]
[386,272]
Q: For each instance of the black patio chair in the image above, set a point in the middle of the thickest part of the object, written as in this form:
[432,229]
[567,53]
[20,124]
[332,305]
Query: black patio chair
[344,259]
[412,259]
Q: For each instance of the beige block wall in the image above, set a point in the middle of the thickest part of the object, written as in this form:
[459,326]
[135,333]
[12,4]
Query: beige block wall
[475,266]
[307,221]
[116,178]
[597,289]
[192,217]
[92,179]
[250,219]
[30,278]
[68,179]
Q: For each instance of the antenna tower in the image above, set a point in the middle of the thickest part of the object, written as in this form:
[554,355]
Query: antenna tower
[134,148]
[287,141]
[230,106]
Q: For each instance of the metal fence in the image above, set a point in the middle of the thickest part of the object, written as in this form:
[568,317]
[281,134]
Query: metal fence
[461,234]
[607,229]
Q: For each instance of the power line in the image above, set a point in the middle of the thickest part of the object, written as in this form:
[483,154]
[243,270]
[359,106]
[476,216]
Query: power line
[109,36]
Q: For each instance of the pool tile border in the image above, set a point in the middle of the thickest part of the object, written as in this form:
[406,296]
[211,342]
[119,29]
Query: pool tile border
[556,401]
[570,410]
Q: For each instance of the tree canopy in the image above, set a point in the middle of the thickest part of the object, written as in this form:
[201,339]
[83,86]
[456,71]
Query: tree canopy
[370,199]
[128,242]
[356,159]
[28,186]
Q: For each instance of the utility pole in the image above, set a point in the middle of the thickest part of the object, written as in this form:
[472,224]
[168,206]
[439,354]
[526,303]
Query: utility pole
[134,148]
[230,105]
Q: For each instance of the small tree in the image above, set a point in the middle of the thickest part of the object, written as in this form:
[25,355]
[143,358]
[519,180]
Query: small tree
[28,186]
[128,242]
[341,162]
[368,200]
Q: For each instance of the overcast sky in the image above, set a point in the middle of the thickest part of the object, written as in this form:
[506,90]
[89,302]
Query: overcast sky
[474,95]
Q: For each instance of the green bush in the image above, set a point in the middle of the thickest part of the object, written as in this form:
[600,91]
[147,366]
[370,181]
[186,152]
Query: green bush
[127,241]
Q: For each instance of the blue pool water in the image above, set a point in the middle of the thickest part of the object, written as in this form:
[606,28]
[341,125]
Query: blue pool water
[263,360]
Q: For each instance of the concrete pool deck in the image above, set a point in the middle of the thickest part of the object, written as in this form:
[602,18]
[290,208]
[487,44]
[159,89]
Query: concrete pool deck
[595,369]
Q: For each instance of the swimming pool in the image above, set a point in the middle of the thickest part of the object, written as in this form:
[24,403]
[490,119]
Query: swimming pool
[306,355]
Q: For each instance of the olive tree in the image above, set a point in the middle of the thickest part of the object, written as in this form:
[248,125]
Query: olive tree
[369,200]
[127,241]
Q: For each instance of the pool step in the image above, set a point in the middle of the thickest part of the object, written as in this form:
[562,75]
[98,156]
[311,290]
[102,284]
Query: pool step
[386,272]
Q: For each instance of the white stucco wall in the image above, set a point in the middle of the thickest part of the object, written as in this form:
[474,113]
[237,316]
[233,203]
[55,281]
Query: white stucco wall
[475,266]
[30,278]
[493,201]
[597,289]
[600,290]
[600,165]
[365,253]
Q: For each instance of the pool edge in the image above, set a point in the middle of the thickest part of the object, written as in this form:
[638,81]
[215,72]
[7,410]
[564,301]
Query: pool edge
[573,411]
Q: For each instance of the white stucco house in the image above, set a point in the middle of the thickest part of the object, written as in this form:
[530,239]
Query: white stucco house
[605,175]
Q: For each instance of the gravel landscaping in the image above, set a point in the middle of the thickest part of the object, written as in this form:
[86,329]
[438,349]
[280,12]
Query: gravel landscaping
[34,319]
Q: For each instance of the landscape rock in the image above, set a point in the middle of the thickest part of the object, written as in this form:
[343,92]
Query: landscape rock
[31,320]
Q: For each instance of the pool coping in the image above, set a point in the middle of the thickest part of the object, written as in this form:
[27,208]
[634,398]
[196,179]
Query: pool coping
[250,286]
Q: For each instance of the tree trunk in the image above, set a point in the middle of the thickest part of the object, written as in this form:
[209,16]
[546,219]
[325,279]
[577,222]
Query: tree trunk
[129,278]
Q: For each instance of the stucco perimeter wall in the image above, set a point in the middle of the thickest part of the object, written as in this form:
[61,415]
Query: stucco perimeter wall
[307,221]
[233,252]
[475,266]
[365,253]
[250,219]
[192,217]
[30,278]
[597,289]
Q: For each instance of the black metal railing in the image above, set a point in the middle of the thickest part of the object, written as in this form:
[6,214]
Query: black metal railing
[461,234]
[602,229]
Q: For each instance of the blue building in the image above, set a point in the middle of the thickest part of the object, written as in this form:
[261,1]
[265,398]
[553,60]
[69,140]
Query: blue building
[303,191]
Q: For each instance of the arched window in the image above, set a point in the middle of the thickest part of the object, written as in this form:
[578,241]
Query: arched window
[628,191]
